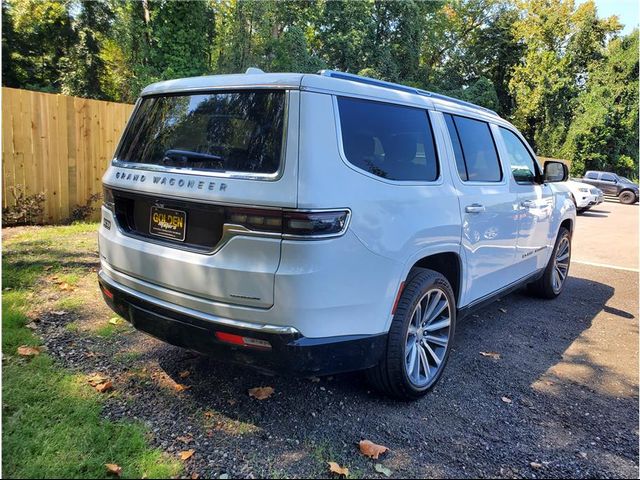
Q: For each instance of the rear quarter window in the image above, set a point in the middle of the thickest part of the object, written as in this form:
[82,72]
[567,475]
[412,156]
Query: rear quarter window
[390,141]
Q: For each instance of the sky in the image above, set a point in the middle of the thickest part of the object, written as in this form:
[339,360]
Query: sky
[626,10]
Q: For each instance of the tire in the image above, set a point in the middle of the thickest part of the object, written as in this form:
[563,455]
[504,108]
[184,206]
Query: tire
[392,375]
[627,197]
[581,210]
[546,286]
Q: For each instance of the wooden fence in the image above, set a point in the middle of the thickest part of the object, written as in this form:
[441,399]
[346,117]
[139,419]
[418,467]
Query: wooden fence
[58,145]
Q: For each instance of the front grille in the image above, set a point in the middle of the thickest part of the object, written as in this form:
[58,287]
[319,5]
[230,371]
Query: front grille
[204,222]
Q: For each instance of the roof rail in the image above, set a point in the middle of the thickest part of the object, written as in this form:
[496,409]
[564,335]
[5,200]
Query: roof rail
[402,88]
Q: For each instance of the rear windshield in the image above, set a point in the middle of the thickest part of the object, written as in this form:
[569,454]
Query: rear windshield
[230,131]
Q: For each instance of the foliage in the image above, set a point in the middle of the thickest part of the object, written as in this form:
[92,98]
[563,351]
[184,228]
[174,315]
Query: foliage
[26,209]
[533,61]
[604,132]
[83,213]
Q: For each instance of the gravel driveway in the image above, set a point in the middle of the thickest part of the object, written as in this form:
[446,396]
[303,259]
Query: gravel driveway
[568,372]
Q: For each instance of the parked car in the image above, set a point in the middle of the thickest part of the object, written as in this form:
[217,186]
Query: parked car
[584,195]
[323,223]
[612,184]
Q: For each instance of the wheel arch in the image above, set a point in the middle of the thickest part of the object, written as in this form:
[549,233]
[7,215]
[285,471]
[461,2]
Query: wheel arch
[449,264]
[568,224]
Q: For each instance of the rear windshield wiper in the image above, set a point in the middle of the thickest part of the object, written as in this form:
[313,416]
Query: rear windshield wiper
[186,156]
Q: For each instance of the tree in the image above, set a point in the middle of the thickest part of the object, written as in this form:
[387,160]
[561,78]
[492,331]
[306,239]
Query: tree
[83,67]
[560,43]
[604,132]
[40,37]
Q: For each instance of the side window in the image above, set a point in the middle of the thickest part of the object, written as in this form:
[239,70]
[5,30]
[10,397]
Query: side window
[592,175]
[477,151]
[389,141]
[522,163]
[608,177]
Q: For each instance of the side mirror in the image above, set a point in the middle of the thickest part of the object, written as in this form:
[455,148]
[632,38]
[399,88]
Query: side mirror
[555,172]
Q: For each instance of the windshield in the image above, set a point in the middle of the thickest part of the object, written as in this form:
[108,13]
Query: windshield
[231,131]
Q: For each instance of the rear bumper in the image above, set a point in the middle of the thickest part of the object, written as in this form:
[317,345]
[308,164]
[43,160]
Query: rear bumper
[290,351]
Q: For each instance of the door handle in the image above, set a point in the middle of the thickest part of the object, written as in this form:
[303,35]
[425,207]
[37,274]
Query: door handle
[474,208]
[528,204]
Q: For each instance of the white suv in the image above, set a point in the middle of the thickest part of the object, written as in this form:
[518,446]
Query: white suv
[322,223]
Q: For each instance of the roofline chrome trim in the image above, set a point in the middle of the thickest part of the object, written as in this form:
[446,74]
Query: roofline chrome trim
[227,322]
[255,86]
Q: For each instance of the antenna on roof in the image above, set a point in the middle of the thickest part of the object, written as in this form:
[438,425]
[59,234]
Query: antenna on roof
[253,71]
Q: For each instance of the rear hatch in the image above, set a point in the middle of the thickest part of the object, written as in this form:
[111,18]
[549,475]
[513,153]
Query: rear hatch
[199,183]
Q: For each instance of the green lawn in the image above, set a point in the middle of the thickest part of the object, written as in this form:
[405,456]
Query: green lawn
[52,425]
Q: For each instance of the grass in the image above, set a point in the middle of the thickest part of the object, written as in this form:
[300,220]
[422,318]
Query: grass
[52,424]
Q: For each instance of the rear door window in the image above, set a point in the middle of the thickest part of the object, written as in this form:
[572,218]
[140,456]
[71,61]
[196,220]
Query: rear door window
[592,175]
[228,131]
[390,141]
[607,177]
[472,140]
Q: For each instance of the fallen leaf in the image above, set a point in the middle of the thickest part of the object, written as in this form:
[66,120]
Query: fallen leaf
[503,310]
[494,355]
[185,439]
[66,287]
[382,469]
[232,402]
[184,374]
[195,476]
[32,326]
[47,267]
[335,468]
[371,450]
[261,393]
[187,454]
[114,320]
[96,379]
[104,387]
[209,414]
[507,400]
[180,387]
[536,465]
[26,351]
[113,469]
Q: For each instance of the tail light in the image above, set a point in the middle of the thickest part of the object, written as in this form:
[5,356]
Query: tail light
[291,223]
[107,198]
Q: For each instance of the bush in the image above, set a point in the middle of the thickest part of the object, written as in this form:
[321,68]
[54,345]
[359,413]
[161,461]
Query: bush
[27,209]
[82,213]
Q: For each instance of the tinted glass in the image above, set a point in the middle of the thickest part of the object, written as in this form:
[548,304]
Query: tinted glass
[607,177]
[521,161]
[592,175]
[457,148]
[480,156]
[231,131]
[389,141]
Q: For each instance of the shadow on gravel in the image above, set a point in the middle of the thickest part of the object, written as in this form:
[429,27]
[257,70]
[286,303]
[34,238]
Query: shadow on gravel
[575,427]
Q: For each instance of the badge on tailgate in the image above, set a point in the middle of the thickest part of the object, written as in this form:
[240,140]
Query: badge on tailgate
[168,223]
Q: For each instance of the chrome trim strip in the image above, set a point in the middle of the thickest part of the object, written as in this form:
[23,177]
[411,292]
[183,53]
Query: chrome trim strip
[168,91]
[266,328]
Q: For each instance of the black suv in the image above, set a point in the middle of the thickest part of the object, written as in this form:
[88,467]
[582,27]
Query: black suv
[612,184]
